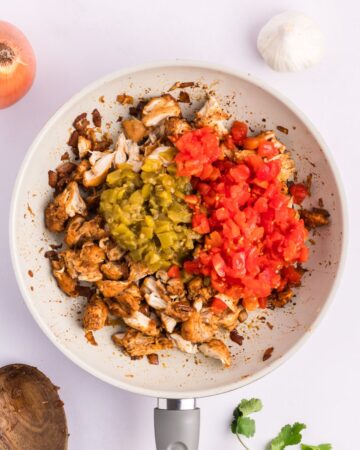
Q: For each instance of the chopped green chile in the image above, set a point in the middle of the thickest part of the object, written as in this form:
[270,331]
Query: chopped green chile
[146,213]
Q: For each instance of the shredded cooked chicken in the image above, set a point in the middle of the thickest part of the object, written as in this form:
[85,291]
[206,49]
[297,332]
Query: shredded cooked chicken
[137,344]
[64,206]
[218,350]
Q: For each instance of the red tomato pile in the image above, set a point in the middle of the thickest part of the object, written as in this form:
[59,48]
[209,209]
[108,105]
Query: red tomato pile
[252,236]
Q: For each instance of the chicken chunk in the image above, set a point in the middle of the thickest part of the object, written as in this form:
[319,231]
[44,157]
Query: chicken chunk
[110,288]
[196,330]
[160,108]
[99,170]
[218,350]
[81,168]
[229,319]
[95,314]
[65,205]
[136,344]
[142,323]
[317,217]
[114,271]
[183,345]
[174,126]
[138,270]
[78,230]
[134,129]
[169,323]
[180,310]
[212,115]
[127,151]
[84,264]
[127,302]
[84,146]
[112,251]
[175,288]
[196,291]
[63,279]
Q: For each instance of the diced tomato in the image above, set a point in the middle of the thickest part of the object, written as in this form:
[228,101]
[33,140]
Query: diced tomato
[253,237]
[218,306]
[229,142]
[251,143]
[267,149]
[218,264]
[192,199]
[250,303]
[200,223]
[262,302]
[291,275]
[174,271]
[299,192]
[239,132]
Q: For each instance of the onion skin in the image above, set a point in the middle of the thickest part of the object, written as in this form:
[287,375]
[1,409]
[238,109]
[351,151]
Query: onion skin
[17,64]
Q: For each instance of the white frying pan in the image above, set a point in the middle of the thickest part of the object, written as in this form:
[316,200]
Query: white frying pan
[179,378]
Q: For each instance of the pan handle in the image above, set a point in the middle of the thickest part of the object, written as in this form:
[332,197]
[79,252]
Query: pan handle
[177,424]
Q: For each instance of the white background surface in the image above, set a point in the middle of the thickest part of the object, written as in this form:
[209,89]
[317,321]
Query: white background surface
[77,42]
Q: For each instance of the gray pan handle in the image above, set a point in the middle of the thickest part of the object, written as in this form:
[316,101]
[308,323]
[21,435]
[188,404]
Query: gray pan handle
[177,424]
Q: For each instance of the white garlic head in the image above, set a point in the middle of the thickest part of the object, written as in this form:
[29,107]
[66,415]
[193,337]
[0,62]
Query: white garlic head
[290,42]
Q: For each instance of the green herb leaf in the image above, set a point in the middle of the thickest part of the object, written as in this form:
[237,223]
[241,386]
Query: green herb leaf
[316,447]
[245,426]
[289,435]
[247,407]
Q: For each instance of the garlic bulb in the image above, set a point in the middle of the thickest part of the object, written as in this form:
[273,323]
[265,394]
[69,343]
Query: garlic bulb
[290,42]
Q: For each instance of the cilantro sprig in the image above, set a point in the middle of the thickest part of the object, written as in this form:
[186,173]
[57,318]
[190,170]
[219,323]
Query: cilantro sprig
[242,424]
[288,435]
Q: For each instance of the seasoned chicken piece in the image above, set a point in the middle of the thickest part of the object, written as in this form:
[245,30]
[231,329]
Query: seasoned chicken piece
[114,271]
[127,151]
[183,345]
[229,319]
[162,276]
[211,115]
[78,230]
[100,167]
[65,205]
[63,279]
[160,108]
[84,146]
[229,301]
[81,168]
[84,264]
[157,154]
[218,350]
[152,286]
[95,314]
[127,302]
[175,288]
[288,167]
[180,310]
[196,291]
[142,323]
[112,251]
[174,126]
[136,344]
[138,270]
[155,301]
[134,129]
[168,322]
[196,330]
[110,288]
[317,217]
[280,299]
